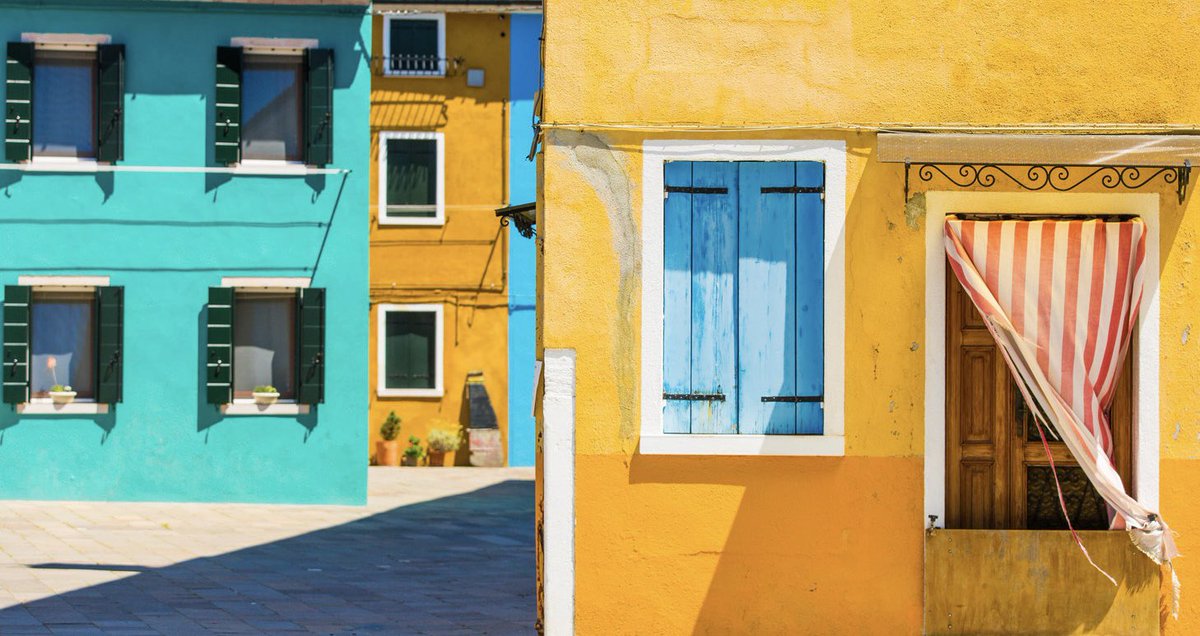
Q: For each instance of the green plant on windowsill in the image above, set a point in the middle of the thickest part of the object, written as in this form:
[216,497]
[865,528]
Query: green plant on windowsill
[62,393]
[265,394]
[412,454]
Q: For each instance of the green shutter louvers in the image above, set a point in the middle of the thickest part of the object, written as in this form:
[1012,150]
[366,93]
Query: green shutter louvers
[110,102]
[110,340]
[219,357]
[227,139]
[18,106]
[16,344]
[310,346]
[318,107]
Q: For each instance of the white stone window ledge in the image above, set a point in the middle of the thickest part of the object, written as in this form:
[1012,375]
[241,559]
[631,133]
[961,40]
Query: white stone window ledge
[50,408]
[733,445]
[250,408]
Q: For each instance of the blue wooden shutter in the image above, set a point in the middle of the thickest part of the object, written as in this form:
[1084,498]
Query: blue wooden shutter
[16,344]
[110,339]
[228,111]
[318,107]
[110,102]
[18,104]
[219,361]
[781,298]
[709,352]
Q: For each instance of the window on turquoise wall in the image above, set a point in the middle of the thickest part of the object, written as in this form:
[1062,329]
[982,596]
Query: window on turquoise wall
[63,343]
[415,45]
[743,298]
[264,343]
[410,337]
[64,103]
[272,100]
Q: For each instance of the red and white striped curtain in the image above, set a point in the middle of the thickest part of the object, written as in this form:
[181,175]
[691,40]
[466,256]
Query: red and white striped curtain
[1061,299]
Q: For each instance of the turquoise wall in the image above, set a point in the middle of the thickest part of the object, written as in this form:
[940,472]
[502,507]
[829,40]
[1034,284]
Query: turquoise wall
[524,81]
[167,238]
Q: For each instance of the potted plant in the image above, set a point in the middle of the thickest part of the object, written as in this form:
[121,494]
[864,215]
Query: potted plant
[412,454]
[61,394]
[387,449]
[440,442]
[265,394]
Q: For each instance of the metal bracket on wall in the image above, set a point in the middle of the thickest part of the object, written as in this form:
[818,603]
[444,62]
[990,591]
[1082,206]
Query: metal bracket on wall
[1058,177]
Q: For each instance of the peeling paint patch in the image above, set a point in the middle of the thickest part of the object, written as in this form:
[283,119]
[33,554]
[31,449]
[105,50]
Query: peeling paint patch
[1187,331]
[914,346]
[1178,428]
[914,211]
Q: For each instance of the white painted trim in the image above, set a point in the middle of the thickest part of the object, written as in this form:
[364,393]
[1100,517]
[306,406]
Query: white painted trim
[938,205]
[249,407]
[387,44]
[47,407]
[439,217]
[274,46]
[272,282]
[83,164]
[63,281]
[654,154]
[558,492]
[66,41]
[275,166]
[381,312]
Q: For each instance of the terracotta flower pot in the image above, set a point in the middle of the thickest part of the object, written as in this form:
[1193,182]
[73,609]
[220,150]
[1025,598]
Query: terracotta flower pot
[387,453]
[411,460]
[437,458]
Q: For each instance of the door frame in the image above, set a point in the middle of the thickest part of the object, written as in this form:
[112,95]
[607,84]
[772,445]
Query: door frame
[939,205]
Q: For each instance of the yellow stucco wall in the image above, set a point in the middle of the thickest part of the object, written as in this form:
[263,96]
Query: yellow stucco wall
[461,264]
[816,545]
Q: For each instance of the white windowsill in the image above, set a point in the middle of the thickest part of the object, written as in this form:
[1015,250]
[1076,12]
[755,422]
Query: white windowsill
[796,445]
[47,407]
[249,407]
[410,393]
[414,220]
[268,167]
[61,164]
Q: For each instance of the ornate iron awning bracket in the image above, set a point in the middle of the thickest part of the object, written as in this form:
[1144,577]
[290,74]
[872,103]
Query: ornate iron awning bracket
[1057,177]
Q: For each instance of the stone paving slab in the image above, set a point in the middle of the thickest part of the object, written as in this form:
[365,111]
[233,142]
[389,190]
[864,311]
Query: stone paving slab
[435,551]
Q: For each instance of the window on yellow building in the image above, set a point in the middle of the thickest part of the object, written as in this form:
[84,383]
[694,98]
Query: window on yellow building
[410,350]
[415,45]
[411,178]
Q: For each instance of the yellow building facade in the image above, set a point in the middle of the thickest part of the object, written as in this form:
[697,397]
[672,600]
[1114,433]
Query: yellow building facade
[641,534]
[444,257]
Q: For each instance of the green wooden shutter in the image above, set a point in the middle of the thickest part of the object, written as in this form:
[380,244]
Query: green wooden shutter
[318,107]
[410,350]
[228,133]
[310,346]
[219,362]
[110,102]
[110,342]
[18,107]
[16,344]
[413,46]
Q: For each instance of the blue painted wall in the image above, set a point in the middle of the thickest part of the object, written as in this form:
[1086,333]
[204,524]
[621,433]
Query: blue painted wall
[524,81]
[167,238]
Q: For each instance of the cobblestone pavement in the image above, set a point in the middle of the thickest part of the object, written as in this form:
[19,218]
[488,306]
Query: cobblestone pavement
[436,551]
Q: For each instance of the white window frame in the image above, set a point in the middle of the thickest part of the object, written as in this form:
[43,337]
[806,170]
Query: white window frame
[654,155]
[46,406]
[276,284]
[939,205]
[439,217]
[382,311]
[66,42]
[387,44]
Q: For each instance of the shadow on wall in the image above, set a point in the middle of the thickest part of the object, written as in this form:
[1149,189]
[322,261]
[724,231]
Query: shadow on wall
[459,563]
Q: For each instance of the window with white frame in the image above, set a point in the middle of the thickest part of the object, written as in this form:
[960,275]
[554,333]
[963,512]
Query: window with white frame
[410,350]
[411,179]
[415,45]
[743,298]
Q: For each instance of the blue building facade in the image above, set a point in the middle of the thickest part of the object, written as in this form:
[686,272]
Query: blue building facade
[183,251]
[524,82]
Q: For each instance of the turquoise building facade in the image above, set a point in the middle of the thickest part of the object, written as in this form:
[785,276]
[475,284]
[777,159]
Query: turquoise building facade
[217,249]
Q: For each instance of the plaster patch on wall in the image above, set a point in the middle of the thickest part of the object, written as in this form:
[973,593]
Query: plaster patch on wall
[914,211]
[589,155]
[1187,331]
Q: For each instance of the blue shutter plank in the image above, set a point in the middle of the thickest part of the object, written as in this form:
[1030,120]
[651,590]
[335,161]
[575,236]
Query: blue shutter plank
[767,286]
[714,296]
[677,297]
[810,297]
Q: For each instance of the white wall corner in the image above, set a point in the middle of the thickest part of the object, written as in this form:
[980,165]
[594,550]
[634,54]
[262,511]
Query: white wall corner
[558,538]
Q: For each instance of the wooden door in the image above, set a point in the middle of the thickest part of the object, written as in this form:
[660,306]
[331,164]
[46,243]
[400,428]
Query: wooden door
[997,472]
